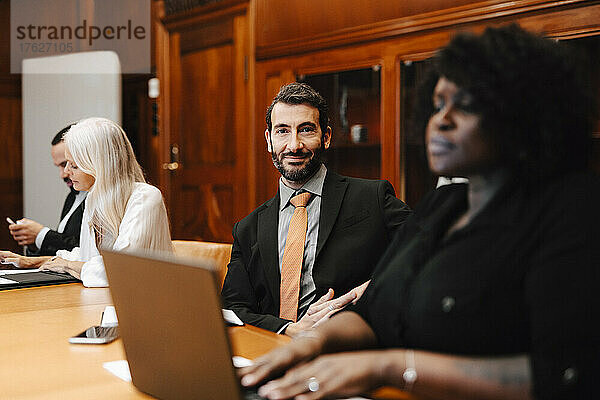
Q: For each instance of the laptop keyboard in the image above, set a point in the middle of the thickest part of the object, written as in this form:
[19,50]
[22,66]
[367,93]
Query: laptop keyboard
[104,331]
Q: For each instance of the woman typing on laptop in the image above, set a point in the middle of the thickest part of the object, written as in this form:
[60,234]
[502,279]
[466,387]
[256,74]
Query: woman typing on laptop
[490,289]
[122,210]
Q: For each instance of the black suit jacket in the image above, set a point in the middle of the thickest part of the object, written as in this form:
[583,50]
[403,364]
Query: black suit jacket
[358,219]
[54,241]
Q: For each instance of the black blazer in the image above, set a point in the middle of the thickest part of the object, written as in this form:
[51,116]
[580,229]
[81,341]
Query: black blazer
[54,241]
[358,219]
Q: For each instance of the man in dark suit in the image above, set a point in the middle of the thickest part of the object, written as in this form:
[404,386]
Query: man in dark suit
[41,240]
[349,223]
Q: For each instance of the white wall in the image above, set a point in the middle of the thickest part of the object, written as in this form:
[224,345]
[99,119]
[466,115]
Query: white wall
[57,91]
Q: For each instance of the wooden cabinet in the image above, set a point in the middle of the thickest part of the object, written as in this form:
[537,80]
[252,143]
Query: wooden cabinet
[292,44]
[354,99]
[221,64]
[376,70]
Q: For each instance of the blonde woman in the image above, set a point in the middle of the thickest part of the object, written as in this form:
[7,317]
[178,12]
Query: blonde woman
[122,211]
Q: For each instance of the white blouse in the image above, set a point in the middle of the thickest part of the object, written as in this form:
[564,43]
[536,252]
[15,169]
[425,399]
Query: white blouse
[145,213]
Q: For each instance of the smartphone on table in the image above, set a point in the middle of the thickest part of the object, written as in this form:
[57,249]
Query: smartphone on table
[96,335]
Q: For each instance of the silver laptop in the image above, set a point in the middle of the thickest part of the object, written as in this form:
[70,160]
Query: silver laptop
[170,319]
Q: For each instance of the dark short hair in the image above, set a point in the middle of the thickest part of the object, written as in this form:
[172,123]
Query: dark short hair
[300,93]
[59,136]
[531,93]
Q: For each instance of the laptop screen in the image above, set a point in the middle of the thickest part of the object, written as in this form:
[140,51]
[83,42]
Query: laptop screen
[170,319]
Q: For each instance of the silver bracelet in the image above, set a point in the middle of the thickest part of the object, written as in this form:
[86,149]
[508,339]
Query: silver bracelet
[410,373]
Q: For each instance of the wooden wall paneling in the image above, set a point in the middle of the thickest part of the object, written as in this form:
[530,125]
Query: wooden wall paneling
[11,175]
[249,148]
[206,137]
[196,14]
[331,28]
[5,40]
[295,21]
[11,181]
[179,6]
[207,141]
[207,35]
[12,154]
[565,23]
[242,125]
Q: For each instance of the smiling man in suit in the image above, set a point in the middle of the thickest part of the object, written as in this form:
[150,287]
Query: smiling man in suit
[322,234]
[41,240]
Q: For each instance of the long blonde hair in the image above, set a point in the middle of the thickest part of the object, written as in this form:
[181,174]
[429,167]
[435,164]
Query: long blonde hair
[100,148]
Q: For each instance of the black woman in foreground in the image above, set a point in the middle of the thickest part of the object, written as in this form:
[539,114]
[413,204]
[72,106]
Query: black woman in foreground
[490,290]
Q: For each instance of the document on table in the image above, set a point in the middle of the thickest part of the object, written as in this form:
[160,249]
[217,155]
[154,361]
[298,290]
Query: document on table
[120,368]
[7,272]
[17,271]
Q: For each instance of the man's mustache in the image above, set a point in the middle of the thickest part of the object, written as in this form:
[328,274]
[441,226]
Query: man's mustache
[299,153]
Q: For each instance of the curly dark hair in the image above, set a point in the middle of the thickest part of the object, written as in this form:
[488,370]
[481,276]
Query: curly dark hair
[530,92]
[300,93]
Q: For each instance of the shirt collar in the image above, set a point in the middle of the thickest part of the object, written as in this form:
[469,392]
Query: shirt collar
[314,186]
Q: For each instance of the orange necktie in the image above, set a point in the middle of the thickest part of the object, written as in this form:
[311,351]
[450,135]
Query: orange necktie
[293,255]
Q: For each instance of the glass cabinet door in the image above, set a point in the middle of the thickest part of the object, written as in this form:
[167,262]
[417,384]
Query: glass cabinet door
[590,47]
[417,177]
[354,99]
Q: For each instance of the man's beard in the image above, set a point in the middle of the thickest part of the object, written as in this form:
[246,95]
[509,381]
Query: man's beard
[299,175]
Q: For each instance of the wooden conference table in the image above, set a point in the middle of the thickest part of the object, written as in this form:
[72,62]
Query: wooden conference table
[36,360]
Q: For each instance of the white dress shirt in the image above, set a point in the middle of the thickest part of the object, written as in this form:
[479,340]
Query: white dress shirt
[145,204]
